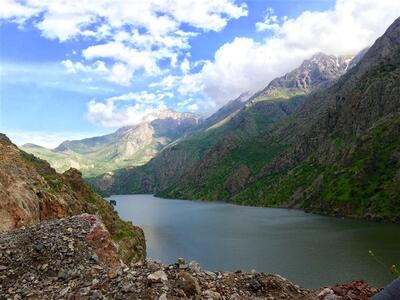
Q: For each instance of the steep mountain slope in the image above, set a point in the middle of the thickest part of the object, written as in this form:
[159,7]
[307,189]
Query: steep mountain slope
[128,146]
[228,109]
[240,122]
[338,154]
[31,191]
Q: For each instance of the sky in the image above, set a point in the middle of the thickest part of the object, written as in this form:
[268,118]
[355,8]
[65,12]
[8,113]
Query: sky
[78,68]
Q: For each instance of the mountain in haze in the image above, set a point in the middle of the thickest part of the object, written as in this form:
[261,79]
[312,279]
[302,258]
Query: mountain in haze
[240,121]
[128,146]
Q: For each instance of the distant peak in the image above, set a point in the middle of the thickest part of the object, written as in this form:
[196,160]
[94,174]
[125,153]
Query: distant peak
[166,113]
[319,71]
[320,55]
[161,115]
[31,145]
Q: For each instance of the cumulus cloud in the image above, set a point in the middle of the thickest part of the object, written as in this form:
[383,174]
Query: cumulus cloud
[185,66]
[126,109]
[133,35]
[16,12]
[270,22]
[245,64]
[126,38]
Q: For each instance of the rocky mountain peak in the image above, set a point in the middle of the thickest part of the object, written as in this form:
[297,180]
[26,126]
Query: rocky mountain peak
[317,72]
[128,146]
[161,115]
[30,145]
[169,114]
[63,147]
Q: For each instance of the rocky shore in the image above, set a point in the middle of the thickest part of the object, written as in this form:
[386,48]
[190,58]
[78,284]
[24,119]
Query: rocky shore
[76,258]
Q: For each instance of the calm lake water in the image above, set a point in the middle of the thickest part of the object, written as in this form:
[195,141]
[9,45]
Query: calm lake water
[310,250]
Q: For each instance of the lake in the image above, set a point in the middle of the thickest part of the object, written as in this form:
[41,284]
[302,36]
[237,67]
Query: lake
[308,249]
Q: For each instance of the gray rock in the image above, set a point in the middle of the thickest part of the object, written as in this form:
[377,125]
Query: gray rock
[158,276]
[195,267]
[212,295]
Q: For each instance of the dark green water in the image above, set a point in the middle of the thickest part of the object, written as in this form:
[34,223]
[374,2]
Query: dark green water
[309,250]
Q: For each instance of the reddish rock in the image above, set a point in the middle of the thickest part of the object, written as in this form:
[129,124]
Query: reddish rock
[100,239]
[355,290]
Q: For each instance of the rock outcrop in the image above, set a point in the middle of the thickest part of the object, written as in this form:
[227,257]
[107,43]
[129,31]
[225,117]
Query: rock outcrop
[75,258]
[318,72]
[31,191]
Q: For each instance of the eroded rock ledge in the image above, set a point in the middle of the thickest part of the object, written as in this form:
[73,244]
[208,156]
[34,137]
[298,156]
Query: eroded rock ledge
[75,258]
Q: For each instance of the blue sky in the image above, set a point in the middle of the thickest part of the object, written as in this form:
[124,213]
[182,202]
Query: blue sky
[75,69]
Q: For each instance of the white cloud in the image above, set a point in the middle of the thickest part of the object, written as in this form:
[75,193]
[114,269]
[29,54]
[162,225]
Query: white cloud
[270,22]
[134,35]
[169,82]
[206,14]
[126,109]
[120,73]
[16,12]
[128,60]
[193,107]
[185,66]
[129,37]
[96,67]
[245,64]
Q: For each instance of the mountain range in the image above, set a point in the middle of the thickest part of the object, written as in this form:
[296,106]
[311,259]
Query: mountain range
[240,119]
[128,146]
[323,137]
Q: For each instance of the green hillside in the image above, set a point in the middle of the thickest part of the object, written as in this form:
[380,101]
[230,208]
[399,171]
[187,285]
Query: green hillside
[334,149]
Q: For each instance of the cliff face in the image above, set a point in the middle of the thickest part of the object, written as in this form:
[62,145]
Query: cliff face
[31,191]
[318,72]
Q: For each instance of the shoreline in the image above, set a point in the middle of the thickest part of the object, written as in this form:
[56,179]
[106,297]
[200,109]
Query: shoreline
[305,210]
[62,260]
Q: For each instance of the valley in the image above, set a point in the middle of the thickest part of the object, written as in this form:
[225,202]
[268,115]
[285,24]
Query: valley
[249,152]
[128,146]
[330,150]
